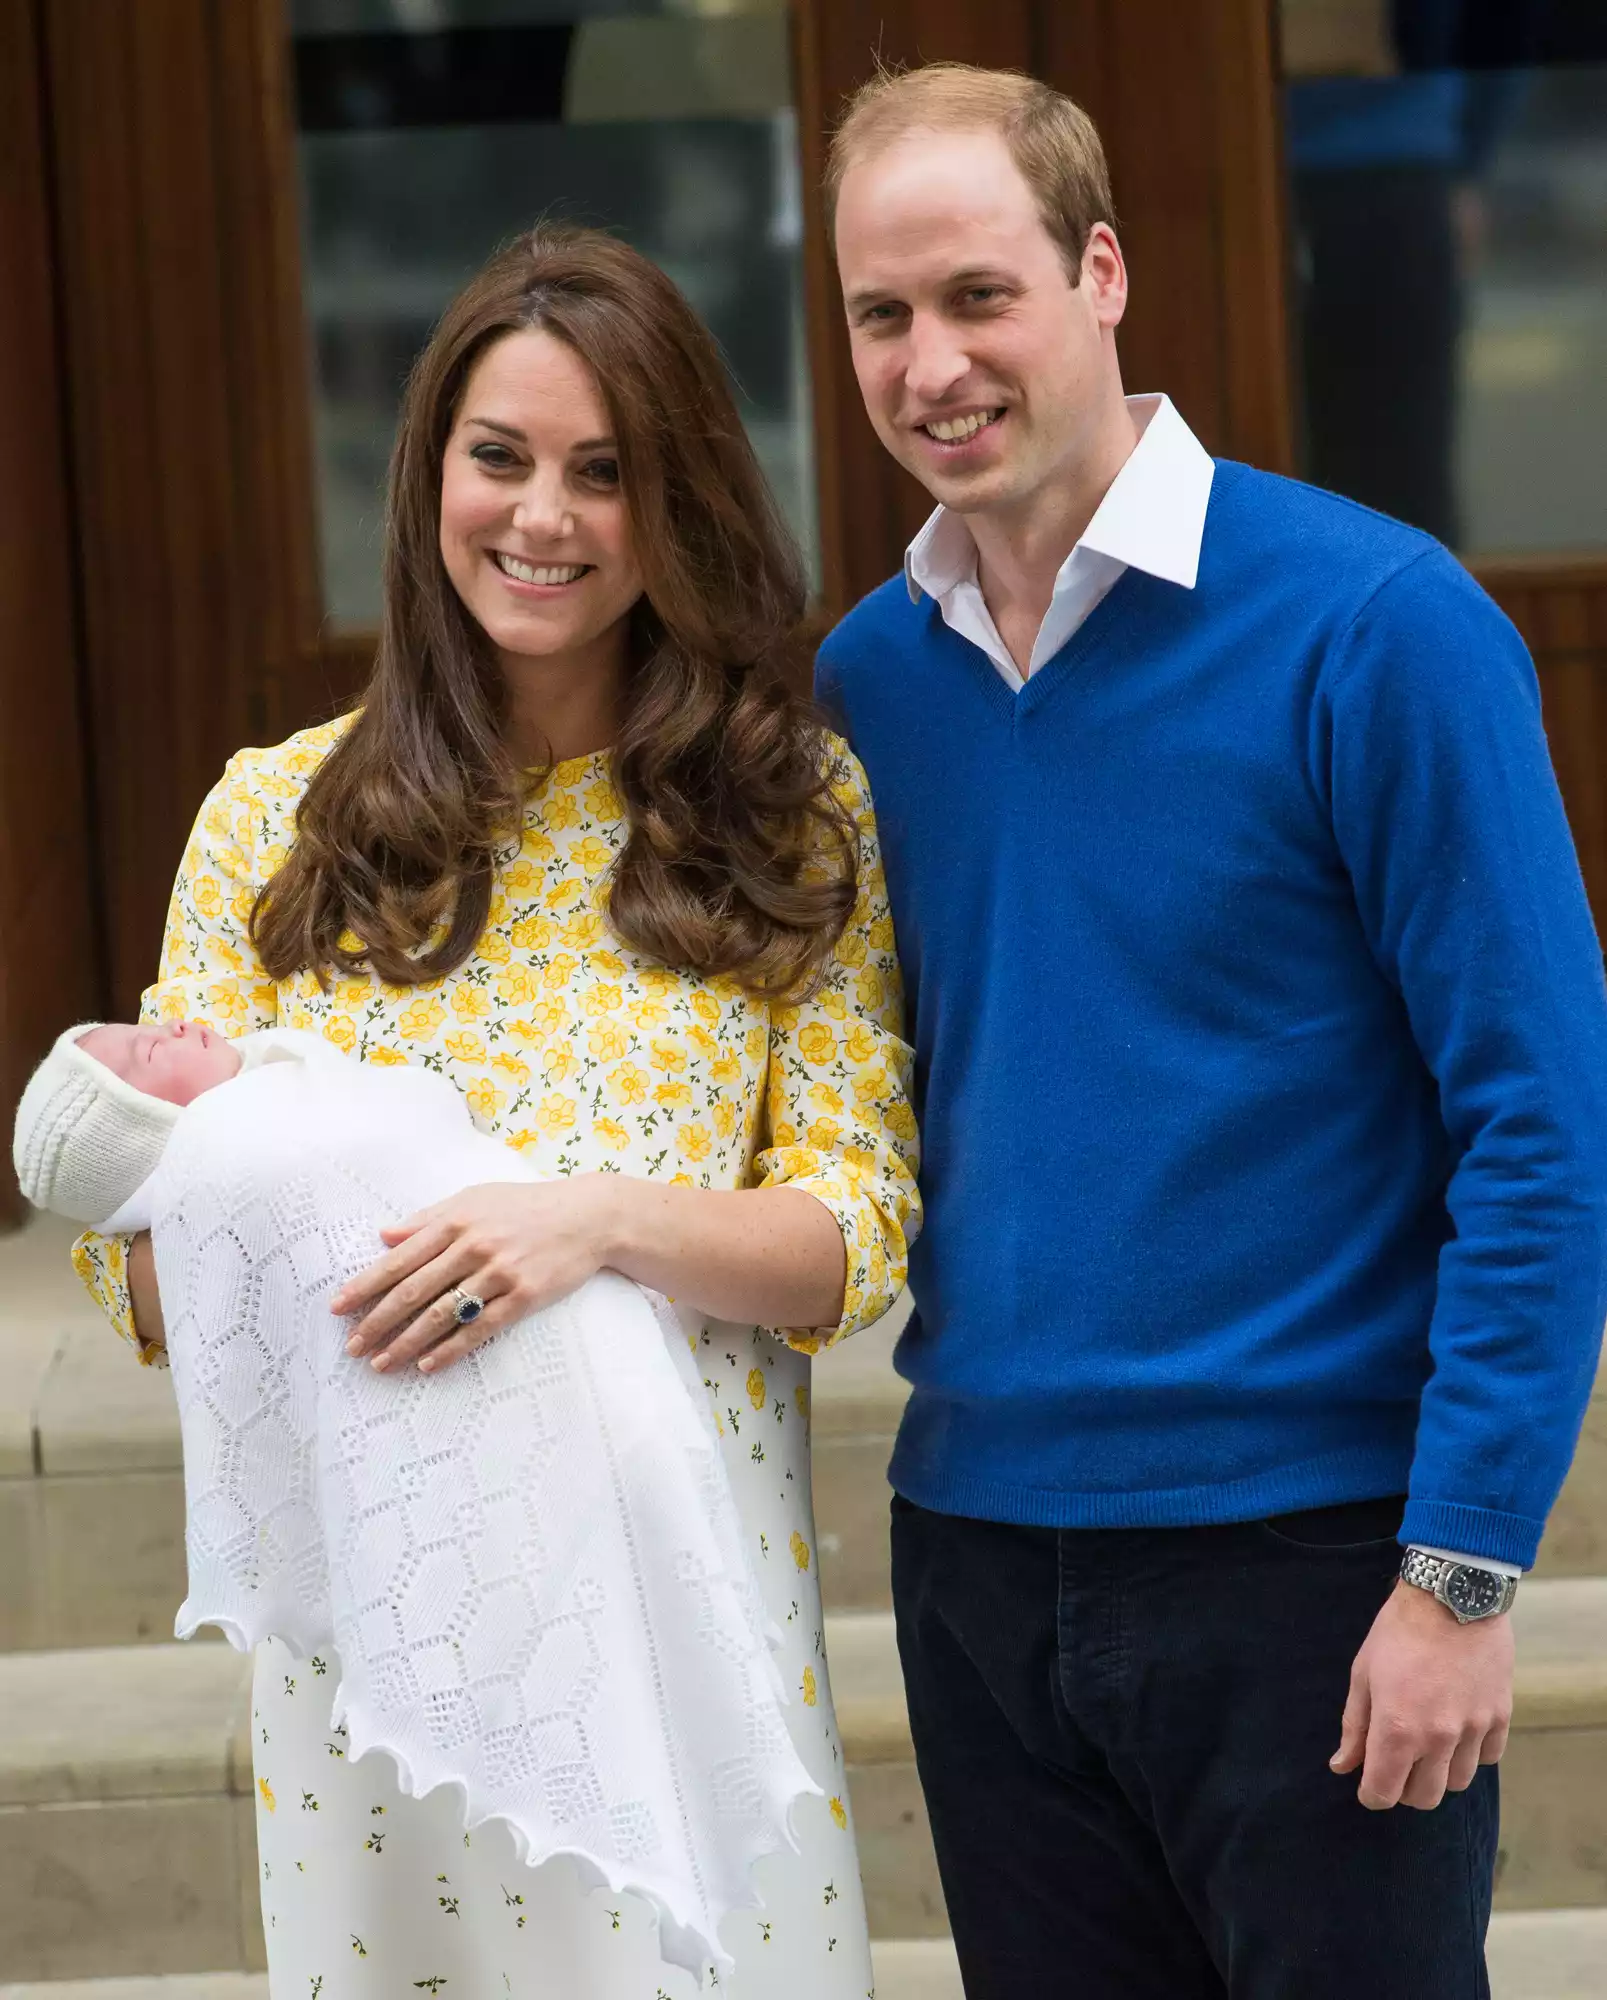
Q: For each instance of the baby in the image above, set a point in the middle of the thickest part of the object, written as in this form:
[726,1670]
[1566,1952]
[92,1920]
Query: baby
[98,1110]
[569,1468]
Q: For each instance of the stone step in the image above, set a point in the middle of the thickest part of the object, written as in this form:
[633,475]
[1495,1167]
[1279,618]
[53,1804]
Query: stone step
[126,1829]
[87,1438]
[1533,1955]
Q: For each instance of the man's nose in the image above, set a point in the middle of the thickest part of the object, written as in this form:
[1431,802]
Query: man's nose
[937,359]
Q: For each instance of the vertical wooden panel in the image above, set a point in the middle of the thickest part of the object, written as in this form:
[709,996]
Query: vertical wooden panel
[48,971]
[188,436]
[1561,610]
[869,506]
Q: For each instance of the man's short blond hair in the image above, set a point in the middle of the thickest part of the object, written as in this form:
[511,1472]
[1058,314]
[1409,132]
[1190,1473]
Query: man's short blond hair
[1054,143]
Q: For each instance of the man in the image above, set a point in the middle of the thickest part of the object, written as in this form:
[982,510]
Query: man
[1262,1061]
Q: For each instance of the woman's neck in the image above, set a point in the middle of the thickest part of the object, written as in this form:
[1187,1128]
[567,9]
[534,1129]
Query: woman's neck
[563,705]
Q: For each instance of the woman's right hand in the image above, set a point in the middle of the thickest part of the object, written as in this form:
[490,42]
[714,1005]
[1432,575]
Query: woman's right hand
[146,1299]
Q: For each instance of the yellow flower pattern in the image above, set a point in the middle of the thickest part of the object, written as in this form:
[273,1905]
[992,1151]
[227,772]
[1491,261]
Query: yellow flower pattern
[586,1057]
[568,1043]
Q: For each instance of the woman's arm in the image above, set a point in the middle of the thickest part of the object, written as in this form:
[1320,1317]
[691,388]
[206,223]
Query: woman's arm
[769,1255]
[149,1328]
[818,1250]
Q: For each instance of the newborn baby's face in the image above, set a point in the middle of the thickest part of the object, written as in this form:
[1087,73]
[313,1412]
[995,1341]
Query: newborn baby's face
[175,1062]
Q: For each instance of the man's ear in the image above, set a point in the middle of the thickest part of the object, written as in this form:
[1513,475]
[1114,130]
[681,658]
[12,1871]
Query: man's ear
[1104,275]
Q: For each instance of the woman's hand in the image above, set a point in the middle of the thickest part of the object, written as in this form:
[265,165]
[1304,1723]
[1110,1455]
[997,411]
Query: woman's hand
[517,1246]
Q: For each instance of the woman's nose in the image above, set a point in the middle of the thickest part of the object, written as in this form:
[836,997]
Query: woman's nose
[542,509]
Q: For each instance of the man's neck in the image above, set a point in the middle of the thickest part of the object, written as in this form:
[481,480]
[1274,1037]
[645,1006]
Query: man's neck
[1022,549]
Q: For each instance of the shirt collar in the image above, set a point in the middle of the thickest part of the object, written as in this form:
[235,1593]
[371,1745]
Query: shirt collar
[1152,518]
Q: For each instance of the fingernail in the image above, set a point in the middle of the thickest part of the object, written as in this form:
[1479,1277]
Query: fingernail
[425,1365]
[382,1362]
[354,1345]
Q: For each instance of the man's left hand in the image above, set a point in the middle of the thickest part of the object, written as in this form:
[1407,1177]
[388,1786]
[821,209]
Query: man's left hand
[1430,1701]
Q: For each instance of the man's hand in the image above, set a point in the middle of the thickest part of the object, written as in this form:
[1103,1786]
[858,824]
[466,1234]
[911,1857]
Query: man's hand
[1430,1701]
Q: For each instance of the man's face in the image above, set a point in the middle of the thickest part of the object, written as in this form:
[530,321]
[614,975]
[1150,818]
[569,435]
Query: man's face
[984,369]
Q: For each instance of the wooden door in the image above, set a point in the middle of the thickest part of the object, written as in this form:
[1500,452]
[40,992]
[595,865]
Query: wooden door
[50,971]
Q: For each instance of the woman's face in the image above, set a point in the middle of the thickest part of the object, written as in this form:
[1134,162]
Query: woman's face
[535,533]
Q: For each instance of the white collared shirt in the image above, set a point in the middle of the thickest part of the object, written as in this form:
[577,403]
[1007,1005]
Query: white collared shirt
[1153,519]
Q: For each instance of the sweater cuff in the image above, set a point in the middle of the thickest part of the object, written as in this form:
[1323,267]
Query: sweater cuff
[1479,1562]
[1510,1538]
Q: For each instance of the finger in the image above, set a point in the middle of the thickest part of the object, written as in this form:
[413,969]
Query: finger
[438,1323]
[1353,1726]
[1465,1762]
[398,1232]
[375,1279]
[1387,1766]
[1494,1746]
[1426,1782]
[463,1340]
[389,1315]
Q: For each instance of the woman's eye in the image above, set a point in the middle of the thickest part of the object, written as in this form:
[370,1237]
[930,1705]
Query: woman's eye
[496,457]
[601,471]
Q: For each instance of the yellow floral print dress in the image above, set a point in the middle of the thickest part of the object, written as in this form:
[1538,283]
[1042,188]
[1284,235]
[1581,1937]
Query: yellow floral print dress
[587,1057]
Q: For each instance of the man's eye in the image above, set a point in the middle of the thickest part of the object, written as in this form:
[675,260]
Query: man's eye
[882,315]
[983,295]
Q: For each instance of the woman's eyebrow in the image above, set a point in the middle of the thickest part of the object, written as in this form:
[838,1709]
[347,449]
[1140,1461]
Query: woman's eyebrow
[522,437]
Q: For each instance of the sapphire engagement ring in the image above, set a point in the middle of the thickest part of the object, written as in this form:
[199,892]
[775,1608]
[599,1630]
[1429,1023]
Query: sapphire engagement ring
[469,1305]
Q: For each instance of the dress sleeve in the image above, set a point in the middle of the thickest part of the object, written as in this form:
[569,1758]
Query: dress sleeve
[208,972]
[838,1122]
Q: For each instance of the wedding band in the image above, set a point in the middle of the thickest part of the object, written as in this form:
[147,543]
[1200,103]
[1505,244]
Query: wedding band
[469,1305]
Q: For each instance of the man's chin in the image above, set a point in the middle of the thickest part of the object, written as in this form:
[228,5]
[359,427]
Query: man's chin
[970,492]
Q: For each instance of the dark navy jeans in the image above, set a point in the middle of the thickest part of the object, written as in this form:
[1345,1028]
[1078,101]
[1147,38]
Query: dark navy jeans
[1123,1736]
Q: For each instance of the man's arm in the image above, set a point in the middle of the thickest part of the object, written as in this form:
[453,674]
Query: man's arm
[1449,821]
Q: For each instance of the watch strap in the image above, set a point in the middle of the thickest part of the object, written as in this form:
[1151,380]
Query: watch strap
[1428,1572]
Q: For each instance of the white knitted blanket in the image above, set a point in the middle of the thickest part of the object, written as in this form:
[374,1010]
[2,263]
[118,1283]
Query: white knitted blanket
[530,1565]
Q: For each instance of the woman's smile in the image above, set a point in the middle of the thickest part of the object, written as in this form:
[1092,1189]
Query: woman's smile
[539,579]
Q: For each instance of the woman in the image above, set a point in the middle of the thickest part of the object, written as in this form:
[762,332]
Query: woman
[583,851]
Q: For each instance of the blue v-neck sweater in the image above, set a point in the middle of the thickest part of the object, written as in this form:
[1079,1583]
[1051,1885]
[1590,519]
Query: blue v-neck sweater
[1261,1043]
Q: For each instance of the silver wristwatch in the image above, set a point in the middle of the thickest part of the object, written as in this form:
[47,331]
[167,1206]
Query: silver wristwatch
[1466,1591]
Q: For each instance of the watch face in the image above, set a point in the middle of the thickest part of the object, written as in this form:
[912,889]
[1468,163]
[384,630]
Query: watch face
[1475,1593]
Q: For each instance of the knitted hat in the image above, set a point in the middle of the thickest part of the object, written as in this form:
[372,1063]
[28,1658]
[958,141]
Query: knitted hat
[85,1140]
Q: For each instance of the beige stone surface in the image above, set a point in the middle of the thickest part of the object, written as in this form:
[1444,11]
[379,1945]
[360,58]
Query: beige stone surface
[1575,1541]
[21,1585]
[160,1986]
[903,1896]
[100,1412]
[253,1948]
[912,1969]
[111,1557]
[149,1884]
[119,1723]
[1553,1820]
[39,1299]
[1548,1955]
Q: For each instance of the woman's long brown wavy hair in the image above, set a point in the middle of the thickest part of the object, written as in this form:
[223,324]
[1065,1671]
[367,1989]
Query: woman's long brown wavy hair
[738,858]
